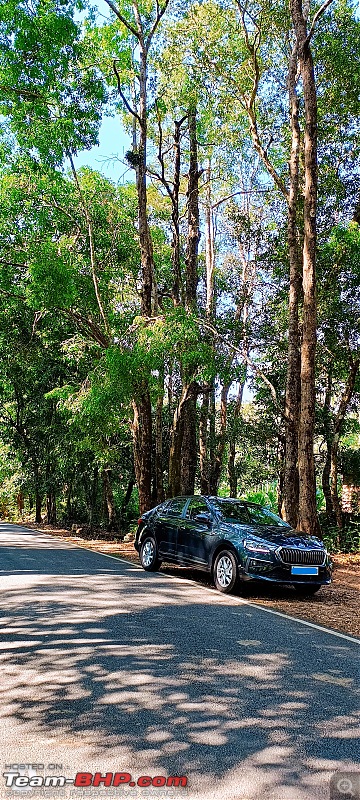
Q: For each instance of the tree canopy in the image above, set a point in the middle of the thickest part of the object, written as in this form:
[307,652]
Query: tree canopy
[197,328]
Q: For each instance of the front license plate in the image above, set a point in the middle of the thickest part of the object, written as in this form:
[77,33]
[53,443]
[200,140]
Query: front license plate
[304,570]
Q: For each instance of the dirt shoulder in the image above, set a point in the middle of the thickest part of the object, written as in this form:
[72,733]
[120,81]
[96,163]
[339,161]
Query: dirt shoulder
[336,606]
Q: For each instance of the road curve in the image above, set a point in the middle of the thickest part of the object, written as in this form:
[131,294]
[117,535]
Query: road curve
[107,668]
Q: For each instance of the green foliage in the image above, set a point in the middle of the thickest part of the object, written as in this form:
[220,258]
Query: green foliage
[341,540]
[266,496]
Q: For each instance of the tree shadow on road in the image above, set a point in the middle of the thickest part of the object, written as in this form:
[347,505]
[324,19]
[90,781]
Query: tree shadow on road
[171,678]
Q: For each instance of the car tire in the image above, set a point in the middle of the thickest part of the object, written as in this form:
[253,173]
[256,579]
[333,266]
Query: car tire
[149,557]
[225,571]
[306,590]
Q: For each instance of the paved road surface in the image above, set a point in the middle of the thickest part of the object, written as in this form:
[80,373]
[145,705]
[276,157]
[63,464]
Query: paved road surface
[105,667]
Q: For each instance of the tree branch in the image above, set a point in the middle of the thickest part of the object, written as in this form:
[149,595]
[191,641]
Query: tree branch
[122,19]
[91,243]
[318,14]
[251,364]
[26,93]
[121,93]
[160,11]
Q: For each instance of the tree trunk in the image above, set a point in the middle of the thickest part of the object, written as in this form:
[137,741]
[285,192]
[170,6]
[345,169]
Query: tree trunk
[334,480]
[344,402]
[209,246]
[142,436]
[146,249]
[308,520]
[128,494]
[193,217]
[188,395]
[212,434]
[189,448]
[203,445]
[51,507]
[221,441]
[159,480]
[175,255]
[232,439]
[109,499]
[68,502]
[38,517]
[292,392]
[325,478]
[231,468]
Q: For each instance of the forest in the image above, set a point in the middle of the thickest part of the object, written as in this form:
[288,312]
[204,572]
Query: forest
[195,326]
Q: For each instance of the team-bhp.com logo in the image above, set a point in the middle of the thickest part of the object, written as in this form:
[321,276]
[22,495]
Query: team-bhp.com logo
[14,780]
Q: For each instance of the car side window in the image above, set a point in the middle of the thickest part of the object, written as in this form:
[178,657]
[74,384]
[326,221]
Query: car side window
[197,506]
[176,507]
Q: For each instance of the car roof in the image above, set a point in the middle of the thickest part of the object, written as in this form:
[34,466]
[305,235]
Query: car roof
[212,498]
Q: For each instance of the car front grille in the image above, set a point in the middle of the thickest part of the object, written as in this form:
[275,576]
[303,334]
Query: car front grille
[290,555]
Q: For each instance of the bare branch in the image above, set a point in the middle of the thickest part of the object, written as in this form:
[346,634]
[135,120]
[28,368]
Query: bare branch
[26,93]
[318,14]
[160,11]
[91,243]
[121,93]
[140,33]
[89,325]
[12,294]
[122,19]
[12,263]
[234,194]
[244,355]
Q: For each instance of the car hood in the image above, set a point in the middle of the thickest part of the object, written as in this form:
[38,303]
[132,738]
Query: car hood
[272,536]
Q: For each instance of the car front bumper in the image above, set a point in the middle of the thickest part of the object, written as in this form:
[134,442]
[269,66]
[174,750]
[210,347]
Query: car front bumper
[260,569]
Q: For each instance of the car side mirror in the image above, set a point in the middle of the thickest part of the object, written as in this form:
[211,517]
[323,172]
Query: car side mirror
[204,519]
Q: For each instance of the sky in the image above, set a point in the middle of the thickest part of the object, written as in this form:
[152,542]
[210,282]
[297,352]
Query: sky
[108,156]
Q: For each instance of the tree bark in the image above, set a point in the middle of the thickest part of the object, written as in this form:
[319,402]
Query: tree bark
[175,217]
[339,420]
[146,249]
[193,217]
[325,478]
[109,499]
[38,517]
[188,396]
[209,246]
[292,391]
[308,520]
[159,480]
[221,441]
[51,507]
[189,447]
[142,437]
[232,440]
[203,445]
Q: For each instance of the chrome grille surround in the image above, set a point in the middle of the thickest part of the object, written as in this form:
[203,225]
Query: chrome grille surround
[293,555]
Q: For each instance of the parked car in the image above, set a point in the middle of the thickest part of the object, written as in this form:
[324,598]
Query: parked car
[234,541]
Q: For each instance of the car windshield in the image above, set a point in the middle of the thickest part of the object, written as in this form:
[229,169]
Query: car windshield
[232,511]
[263,516]
[245,514]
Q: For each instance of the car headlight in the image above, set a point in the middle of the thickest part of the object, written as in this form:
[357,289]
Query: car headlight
[254,547]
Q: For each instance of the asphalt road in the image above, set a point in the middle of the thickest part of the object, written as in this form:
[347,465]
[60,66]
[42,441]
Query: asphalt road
[107,668]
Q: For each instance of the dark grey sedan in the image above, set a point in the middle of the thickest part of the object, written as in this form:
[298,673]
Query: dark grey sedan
[234,541]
